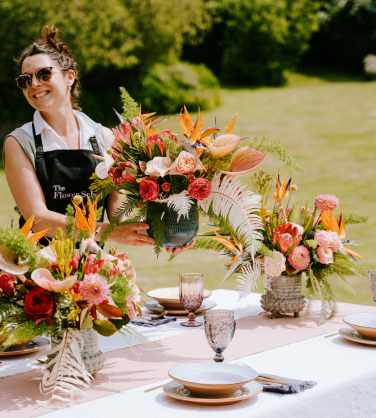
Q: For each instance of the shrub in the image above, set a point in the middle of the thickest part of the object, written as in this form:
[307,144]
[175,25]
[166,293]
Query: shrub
[168,87]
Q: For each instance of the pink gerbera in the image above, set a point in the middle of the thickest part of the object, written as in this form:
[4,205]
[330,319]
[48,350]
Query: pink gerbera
[94,288]
[326,202]
[299,258]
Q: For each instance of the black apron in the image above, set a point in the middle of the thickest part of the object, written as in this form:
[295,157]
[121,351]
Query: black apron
[64,174]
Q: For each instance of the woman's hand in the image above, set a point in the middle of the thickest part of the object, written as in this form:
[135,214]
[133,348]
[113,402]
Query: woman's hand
[134,234]
[178,250]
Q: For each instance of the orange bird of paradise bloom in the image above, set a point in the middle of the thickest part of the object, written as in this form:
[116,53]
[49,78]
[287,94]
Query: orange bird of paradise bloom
[280,194]
[332,224]
[26,229]
[87,223]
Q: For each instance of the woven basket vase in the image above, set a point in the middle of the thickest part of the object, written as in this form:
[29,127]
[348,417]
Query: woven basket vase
[283,296]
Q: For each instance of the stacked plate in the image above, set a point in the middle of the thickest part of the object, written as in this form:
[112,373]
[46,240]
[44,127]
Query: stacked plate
[363,328]
[167,299]
[212,383]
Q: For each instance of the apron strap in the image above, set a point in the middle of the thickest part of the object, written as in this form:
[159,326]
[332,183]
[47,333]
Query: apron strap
[94,144]
[37,140]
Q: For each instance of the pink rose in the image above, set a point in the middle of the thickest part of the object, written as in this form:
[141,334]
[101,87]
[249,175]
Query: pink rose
[149,189]
[166,187]
[336,243]
[184,164]
[323,238]
[7,284]
[200,189]
[325,255]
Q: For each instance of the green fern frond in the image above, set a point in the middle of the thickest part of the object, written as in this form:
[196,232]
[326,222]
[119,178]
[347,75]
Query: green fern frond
[353,218]
[104,186]
[207,244]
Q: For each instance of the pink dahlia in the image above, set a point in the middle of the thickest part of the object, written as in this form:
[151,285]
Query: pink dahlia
[299,258]
[326,202]
[94,288]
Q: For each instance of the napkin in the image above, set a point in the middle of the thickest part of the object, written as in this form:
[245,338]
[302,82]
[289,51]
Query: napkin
[142,323]
[297,387]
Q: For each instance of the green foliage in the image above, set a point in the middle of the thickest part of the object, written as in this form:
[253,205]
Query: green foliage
[275,147]
[254,41]
[103,327]
[154,215]
[106,186]
[265,251]
[70,222]
[216,164]
[294,214]
[207,244]
[120,291]
[354,218]
[130,106]
[167,87]
[312,243]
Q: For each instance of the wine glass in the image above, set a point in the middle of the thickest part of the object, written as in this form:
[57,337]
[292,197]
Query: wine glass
[372,281]
[220,327]
[191,293]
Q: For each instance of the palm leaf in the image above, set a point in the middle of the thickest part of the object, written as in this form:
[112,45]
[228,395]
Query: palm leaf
[67,370]
[228,200]
[248,283]
[181,203]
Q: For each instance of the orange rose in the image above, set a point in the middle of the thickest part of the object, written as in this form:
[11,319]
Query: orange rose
[185,164]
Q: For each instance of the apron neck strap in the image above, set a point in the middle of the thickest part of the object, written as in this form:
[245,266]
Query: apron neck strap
[94,144]
[37,140]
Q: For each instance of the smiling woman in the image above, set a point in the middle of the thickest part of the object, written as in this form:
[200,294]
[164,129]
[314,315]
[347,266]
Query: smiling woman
[49,160]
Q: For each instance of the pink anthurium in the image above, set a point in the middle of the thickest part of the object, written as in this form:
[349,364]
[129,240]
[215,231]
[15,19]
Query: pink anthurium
[43,278]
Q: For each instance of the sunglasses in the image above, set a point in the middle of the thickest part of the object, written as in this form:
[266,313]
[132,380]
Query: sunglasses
[43,75]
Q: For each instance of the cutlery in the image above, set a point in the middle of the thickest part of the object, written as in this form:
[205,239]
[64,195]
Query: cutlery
[331,335]
[268,380]
[157,387]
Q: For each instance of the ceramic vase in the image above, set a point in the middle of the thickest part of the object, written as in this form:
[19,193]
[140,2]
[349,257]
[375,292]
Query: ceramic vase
[283,295]
[177,234]
[91,356]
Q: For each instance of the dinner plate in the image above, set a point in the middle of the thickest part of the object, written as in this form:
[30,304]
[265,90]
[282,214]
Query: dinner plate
[364,323]
[154,306]
[178,391]
[352,335]
[213,380]
[35,344]
[169,296]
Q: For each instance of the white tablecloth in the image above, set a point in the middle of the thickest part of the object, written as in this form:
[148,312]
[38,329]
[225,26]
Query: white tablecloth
[345,373]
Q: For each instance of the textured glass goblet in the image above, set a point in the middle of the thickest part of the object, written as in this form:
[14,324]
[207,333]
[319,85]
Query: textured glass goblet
[372,281]
[191,293]
[220,327]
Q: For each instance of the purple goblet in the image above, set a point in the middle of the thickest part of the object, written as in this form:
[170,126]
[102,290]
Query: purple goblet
[191,293]
[372,281]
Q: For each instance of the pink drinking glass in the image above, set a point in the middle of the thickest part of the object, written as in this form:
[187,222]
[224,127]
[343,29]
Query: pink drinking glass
[191,293]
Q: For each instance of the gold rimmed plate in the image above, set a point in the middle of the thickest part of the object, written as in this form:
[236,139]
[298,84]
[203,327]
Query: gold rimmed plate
[154,306]
[169,297]
[353,335]
[177,391]
[32,346]
[364,323]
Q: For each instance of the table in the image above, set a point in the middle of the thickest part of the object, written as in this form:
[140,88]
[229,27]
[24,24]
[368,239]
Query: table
[345,373]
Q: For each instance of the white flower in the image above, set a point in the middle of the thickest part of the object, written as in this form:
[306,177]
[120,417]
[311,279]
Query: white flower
[101,170]
[275,266]
[158,167]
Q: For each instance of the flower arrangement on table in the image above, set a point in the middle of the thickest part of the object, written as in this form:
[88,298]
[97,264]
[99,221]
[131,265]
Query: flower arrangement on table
[296,240]
[58,291]
[161,173]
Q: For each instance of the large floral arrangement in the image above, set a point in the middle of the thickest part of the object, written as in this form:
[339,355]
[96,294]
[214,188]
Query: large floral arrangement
[159,171]
[297,239]
[57,290]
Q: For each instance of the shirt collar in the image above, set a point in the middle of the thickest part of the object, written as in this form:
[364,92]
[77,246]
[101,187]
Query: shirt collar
[40,123]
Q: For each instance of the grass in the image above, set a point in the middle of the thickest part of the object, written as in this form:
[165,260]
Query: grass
[328,124]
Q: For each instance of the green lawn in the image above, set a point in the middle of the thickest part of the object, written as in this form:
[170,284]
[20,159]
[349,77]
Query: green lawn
[328,125]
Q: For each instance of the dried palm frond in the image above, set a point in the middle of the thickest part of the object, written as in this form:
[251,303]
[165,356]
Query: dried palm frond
[248,283]
[181,203]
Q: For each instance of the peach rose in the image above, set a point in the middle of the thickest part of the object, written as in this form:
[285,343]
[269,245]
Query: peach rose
[185,164]
[323,238]
[325,255]
[336,244]
[275,266]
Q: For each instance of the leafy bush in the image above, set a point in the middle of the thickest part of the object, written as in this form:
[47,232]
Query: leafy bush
[168,87]
[254,41]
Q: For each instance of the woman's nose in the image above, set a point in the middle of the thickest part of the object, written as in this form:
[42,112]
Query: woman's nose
[34,81]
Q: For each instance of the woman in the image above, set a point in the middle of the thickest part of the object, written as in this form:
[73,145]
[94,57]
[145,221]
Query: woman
[49,160]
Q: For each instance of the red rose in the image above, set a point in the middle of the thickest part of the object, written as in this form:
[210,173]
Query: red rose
[149,189]
[191,177]
[200,189]
[75,288]
[38,304]
[166,187]
[7,283]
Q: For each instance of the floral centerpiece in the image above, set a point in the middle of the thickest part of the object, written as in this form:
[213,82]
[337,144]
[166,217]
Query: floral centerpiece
[59,291]
[164,175]
[297,240]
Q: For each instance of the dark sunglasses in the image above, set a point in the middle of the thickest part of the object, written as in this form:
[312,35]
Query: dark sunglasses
[43,75]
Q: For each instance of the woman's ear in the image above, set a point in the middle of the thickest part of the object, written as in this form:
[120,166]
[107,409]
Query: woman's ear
[71,76]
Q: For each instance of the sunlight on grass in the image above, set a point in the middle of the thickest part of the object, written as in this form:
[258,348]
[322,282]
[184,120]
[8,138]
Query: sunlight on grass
[328,127]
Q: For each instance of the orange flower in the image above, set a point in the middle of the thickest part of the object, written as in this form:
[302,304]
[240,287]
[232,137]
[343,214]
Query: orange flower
[87,224]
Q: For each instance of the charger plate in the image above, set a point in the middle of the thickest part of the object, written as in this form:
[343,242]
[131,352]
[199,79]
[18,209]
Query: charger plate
[178,391]
[154,306]
[353,335]
[35,344]
[169,297]
[212,380]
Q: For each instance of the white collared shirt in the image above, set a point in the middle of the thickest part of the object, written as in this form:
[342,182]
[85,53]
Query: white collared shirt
[52,141]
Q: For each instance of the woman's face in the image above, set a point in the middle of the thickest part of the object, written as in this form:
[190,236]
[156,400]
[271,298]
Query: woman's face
[54,93]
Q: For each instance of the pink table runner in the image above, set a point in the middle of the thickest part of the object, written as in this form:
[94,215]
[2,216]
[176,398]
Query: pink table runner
[123,371]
